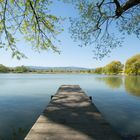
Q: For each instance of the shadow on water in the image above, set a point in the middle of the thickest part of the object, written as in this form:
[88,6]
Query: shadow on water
[19,133]
[16,134]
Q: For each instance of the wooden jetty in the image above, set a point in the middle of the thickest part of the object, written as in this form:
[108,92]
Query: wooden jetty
[71,115]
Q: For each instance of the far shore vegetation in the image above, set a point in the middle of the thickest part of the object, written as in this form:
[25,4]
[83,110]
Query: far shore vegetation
[131,67]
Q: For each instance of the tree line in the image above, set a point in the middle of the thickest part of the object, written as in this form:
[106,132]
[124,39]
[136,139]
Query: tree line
[25,69]
[19,69]
[131,67]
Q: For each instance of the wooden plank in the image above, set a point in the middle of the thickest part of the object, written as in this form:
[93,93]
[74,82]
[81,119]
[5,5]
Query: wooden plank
[71,115]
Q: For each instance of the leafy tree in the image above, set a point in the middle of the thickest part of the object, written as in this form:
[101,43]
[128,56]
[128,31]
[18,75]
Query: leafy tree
[4,69]
[21,69]
[97,16]
[32,20]
[132,65]
[98,70]
[115,67]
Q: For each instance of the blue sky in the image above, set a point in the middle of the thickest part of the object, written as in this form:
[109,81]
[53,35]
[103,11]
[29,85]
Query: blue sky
[71,53]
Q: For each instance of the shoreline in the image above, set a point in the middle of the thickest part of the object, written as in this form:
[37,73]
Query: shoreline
[123,74]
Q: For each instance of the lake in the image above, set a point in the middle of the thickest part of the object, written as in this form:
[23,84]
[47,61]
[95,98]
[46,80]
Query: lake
[24,96]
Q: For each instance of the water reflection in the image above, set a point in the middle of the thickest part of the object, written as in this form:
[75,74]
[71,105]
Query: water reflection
[20,133]
[15,134]
[24,96]
[131,83]
[112,82]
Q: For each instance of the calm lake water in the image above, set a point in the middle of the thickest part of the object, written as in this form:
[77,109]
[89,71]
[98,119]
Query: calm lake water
[24,96]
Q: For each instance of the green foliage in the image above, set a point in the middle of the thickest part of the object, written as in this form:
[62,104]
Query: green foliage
[132,66]
[92,27]
[115,67]
[21,69]
[98,70]
[4,69]
[31,19]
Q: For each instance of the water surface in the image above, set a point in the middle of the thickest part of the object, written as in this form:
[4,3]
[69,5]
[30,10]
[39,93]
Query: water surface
[24,96]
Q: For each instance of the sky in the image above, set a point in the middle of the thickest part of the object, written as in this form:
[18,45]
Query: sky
[71,54]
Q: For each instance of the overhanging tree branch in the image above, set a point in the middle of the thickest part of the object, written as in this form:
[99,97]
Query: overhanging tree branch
[120,9]
[93,28]
[32,20]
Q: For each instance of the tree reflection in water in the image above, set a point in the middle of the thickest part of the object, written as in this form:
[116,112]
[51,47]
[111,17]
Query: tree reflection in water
[112,81]
[132,85]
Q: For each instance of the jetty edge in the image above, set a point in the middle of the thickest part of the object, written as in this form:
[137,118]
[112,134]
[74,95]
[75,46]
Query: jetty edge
[71,115]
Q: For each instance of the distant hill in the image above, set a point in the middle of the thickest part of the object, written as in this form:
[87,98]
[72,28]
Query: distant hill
[57,68]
